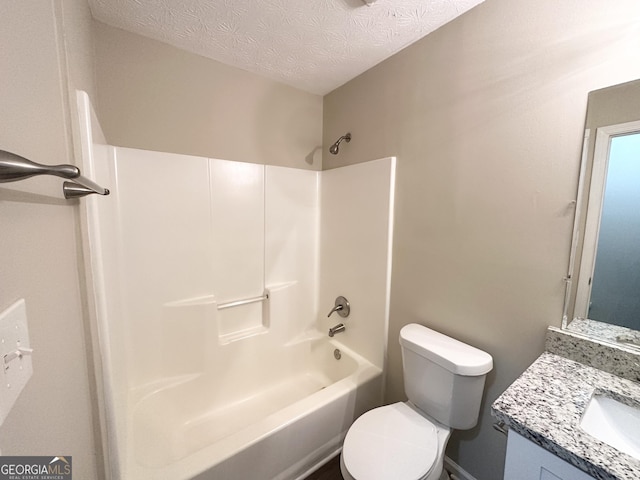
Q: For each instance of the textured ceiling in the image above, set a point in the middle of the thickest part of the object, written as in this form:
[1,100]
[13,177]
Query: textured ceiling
[314,45]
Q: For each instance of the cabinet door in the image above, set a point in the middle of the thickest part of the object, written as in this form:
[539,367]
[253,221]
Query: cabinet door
[528,461]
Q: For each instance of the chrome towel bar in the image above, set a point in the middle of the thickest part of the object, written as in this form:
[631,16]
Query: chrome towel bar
[14,168]
[246,301]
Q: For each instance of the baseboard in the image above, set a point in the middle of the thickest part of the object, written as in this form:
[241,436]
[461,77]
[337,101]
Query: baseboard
[456,472]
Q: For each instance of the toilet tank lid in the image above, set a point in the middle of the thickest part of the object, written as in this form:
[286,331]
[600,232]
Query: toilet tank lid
[449,353]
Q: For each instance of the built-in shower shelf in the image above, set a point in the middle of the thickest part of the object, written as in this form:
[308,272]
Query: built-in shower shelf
[243,318]
[241,335]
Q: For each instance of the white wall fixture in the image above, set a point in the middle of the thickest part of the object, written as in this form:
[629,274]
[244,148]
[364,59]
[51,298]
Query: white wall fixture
[15,354]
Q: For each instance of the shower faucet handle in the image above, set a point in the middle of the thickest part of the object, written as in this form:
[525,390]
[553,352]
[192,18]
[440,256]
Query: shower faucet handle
[341,306]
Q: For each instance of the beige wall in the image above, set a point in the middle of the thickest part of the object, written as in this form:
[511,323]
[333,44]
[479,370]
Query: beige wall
[157,97]
[486,116]
[38,250]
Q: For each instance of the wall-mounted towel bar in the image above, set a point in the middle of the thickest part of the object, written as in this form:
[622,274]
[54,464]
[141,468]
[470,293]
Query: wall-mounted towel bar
[14,168]
[237,303]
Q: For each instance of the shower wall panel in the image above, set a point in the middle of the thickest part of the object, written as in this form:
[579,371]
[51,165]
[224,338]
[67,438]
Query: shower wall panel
[165,248]
[291,249]
[186,234]
[356,241]
[237,226]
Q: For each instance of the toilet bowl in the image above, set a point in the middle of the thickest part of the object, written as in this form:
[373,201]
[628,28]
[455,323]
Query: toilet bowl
[394,442]
[444,381]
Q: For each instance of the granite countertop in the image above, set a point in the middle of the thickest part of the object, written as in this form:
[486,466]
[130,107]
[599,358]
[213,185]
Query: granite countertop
[545,405]
[623,336]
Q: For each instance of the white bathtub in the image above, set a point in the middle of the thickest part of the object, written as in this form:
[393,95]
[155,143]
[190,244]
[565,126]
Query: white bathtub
[282,429]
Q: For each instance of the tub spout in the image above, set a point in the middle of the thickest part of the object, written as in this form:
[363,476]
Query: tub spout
[337,329]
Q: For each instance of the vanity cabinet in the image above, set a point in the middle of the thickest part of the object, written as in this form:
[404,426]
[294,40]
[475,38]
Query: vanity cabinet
[528,461]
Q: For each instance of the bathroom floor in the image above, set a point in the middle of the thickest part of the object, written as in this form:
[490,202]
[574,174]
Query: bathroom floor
[329,471]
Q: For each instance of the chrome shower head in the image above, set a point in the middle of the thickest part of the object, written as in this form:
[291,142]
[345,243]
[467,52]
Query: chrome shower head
[335,148]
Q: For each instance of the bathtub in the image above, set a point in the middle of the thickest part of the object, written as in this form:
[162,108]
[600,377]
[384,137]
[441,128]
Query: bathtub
[281,429]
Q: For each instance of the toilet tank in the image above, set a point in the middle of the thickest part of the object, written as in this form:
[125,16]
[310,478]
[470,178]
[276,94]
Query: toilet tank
[443,377]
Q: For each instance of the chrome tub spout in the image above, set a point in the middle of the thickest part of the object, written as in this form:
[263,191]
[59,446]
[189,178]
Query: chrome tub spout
[337,329]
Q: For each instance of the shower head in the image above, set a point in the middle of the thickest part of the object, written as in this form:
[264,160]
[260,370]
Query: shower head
[335,148]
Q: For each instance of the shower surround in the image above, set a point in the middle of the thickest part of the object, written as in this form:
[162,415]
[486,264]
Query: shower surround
[195,382]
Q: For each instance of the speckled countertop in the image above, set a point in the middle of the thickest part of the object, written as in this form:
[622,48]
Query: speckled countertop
[545,405]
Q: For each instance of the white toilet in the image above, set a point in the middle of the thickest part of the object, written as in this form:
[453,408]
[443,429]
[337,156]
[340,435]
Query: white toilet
[444,381]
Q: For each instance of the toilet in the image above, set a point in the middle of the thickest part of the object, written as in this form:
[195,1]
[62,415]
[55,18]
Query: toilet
[444,380]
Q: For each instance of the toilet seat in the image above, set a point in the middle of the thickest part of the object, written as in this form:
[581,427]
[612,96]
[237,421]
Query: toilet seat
[393,442]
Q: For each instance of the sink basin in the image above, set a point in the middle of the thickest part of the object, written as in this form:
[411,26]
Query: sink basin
[613,422]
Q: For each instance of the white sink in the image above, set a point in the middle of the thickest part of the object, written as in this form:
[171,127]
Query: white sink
[614,423]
